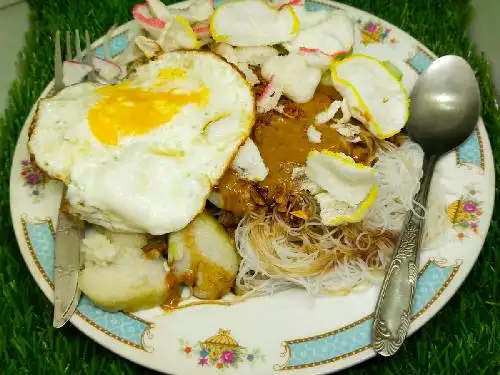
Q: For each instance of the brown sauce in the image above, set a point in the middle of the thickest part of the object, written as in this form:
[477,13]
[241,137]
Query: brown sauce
[207,279]
[173,296]
[283,144]
[155,248]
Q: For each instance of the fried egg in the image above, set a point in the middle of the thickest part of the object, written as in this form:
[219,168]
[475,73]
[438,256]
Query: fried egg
[143,155]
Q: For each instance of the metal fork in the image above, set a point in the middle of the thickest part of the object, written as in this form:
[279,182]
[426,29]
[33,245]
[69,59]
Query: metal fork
[58,60]
[68,260]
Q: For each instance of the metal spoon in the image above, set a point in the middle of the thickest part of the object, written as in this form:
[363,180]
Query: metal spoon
[445,106]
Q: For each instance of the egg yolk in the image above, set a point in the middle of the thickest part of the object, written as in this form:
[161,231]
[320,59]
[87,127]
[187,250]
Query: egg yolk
[172,73]
[128,111]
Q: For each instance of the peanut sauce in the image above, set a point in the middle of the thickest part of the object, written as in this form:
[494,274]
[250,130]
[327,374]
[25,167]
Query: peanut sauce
[284,145]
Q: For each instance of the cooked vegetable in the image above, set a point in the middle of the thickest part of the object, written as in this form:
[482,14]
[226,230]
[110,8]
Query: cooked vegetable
[203,256]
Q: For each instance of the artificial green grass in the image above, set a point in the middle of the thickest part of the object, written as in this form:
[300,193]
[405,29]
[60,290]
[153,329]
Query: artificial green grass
[464,338]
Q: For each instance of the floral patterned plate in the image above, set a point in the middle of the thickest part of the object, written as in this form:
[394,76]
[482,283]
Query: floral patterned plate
[287,332]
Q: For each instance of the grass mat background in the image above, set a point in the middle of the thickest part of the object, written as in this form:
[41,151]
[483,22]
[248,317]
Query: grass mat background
[464,338]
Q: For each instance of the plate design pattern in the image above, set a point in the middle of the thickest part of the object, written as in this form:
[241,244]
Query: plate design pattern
[470,153]
[314,6]
[117,45]
[33,179]
[465,213]
[221,351]
[126,328]
[374,32]
[419,60]
[356,337]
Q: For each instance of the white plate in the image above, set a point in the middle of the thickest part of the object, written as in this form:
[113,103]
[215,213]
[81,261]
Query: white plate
[288,331]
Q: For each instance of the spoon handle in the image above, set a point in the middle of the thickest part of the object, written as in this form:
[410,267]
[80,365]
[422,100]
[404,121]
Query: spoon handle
[395,301]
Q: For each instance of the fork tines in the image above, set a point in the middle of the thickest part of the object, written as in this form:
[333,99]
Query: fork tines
[89,55]
[58,74]
[58,61]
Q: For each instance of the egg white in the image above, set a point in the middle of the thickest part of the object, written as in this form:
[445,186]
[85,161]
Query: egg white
[156,182]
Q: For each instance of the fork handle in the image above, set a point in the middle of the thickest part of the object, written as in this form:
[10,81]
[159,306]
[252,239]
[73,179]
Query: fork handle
[395,302]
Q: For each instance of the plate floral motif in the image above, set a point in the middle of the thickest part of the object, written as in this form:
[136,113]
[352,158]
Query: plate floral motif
[33,178]
[220,351]
[374,32]
[465,213]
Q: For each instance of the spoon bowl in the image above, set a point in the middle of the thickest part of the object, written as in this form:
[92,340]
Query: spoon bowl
[444,105]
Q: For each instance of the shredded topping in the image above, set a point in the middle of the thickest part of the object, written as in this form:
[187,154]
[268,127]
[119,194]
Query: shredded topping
[313,134]
[329,113]
[248,163]
[270,96]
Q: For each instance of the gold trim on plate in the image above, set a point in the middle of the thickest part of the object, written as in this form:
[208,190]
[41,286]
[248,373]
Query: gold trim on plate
[286,349]
[481,153]
[48,221]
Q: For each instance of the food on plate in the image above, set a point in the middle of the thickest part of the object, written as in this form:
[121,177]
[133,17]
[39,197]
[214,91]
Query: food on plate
[248,163]
[330,38]
[313,134]
[149,47]
[178,35]
[118,274]
[74,72]
[247,23]
[203,256]
[289,124]
[192,10]
[345,189]
[375,95]
[254,55]
[143,155]
[229,54]
[144,16]
[286,69]
[272,154]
